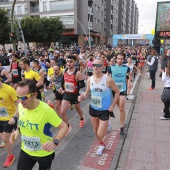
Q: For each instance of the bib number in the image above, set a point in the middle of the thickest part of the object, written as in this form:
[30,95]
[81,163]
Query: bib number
[57,86]
[15,72]
[134,61]
[31,143]
[96,101]
[120,86]
[44,71]
[69,87]
[3,112]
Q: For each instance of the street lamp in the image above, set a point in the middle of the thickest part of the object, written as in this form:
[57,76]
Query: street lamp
[81,25]
[20,28]
[140,27]
[12,24]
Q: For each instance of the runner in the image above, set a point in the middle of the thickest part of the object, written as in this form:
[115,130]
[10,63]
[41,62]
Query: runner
[89,65]
[15,71]
[105,63]
[73,80]
[100,108]
[57,79]
[37,68]
[8,99]
[30,74]
[35,121]
[132,68]
[5,76]
[44,66]
[118,73]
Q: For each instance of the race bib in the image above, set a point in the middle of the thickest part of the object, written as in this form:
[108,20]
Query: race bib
[31,143]
[57,86]
[15,72]
[90,70]
[68,87]
[120,86]
[96,101]
[3,112]
[44,71]
[134,61]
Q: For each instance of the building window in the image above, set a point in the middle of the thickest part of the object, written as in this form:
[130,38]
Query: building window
[26,11]
[97,8]
[96,21]
[44,6]
[115,11]
[19,10]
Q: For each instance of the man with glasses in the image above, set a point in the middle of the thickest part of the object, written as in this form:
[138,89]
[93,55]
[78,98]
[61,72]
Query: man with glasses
[35,121]
[100,108]
[118,73]
[30,74]
[8,120]
[73,81]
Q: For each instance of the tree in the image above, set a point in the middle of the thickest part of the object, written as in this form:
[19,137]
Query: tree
[4,27]
[42,30]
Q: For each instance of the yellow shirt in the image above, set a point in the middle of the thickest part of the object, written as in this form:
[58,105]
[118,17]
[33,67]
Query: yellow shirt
[7,98]
[32,75]
[35,128]
[51,71]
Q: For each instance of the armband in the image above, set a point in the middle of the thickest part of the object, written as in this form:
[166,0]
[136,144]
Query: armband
[81,84]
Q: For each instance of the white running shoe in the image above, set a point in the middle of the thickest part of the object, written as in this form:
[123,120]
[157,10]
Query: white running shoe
[100,150]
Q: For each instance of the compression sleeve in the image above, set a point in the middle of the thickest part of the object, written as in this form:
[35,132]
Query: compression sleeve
[81,84]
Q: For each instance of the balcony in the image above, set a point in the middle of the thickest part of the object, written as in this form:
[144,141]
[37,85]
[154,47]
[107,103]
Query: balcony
[90,25]
[34,9]
[90,10]
[62,7]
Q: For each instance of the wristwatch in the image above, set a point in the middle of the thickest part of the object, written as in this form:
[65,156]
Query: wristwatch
[56,141]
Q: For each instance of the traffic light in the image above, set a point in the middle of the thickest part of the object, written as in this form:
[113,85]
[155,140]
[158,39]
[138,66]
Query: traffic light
[11,36]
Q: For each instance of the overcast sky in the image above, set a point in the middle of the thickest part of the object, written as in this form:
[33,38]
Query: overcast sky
[147,15]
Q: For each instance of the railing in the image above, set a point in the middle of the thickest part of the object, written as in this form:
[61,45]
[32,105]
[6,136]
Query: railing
[62,7]
[34,9]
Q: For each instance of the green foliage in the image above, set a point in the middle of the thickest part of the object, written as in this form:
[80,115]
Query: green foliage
[4,27]
[42,30]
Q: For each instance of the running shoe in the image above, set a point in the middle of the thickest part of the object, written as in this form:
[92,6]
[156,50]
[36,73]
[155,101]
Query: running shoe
[69,129]
[164,118]
[151,88]
[122,131]
[2,145]
[9,160]
[82,122]
[100,150]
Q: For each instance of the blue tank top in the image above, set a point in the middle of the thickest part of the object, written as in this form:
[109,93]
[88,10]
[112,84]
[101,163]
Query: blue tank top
[119,76]
[44,68]
[100,94]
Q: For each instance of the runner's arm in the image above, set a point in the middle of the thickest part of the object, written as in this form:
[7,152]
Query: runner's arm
[7,75]
[112,85]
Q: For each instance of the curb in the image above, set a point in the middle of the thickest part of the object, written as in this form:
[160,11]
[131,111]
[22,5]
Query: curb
[128,133]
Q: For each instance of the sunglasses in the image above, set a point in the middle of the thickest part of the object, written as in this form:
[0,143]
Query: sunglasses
[24,97]
[97,65]
[70,61]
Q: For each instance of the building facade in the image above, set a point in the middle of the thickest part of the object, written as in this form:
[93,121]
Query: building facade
[98,18]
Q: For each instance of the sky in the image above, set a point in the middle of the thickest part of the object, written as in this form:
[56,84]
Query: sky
[147,15]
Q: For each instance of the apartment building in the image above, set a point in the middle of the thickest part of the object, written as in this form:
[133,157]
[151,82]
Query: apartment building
[98,18]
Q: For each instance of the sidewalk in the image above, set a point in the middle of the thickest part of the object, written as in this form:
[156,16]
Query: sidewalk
[147,144]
